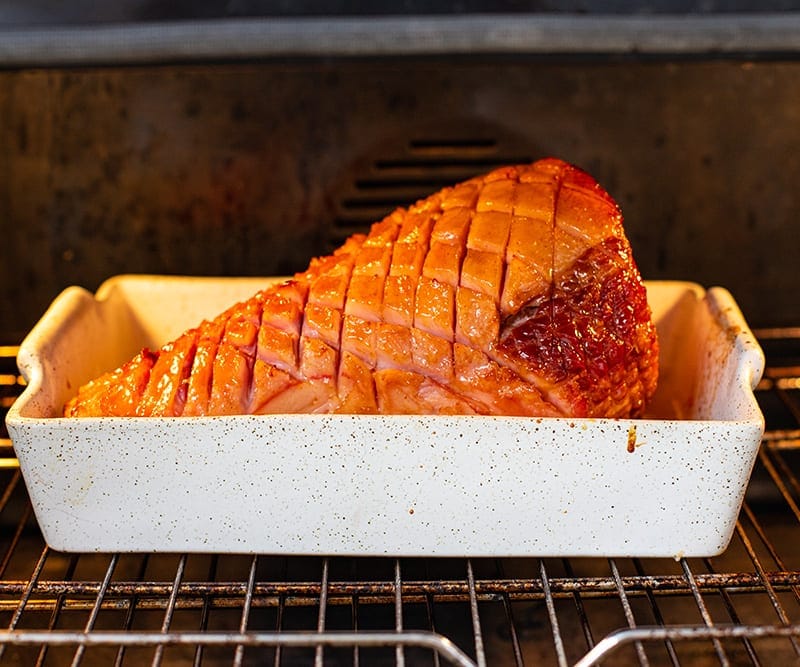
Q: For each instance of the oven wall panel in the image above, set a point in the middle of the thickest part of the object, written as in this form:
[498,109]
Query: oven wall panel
[242,168]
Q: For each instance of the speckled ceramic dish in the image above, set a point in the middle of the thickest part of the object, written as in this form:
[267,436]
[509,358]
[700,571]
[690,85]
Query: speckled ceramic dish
[668,485]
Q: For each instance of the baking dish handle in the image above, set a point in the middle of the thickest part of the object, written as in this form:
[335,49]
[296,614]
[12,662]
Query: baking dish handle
[746,358]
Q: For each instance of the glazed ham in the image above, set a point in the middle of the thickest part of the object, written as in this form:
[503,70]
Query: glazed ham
[513,293]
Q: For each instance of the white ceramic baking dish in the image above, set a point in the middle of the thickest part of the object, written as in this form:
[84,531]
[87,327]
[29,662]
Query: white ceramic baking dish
[668,485]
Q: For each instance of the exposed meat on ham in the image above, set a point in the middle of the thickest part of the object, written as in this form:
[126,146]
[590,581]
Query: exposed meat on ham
[513,293]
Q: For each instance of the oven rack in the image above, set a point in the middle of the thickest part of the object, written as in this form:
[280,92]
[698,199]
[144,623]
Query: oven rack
[742,607]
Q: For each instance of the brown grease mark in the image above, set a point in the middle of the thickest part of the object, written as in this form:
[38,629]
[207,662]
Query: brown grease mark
[732,332]
[632,439]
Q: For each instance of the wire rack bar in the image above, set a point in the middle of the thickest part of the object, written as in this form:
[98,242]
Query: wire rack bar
[476,618]
[54,616]
[657,615]
[400,656]
[267,594]
[323,608]
[704,613]
[558,642]
[170,609]
[76,660]
[248,600]
[508,611]
[279,626]
[443,646]
[579,607]
[768,588]
[731,611]
[613,641]
[626,607]
[25,596]
[430,617]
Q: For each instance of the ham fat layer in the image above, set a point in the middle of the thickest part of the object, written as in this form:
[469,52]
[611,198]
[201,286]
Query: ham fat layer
[513,293]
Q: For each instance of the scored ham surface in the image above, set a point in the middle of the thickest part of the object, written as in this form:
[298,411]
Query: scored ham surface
[512,293]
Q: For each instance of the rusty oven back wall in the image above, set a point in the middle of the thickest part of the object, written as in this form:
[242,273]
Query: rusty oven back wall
[241,168]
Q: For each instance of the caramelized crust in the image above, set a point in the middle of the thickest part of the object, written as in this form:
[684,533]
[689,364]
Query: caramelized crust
[512,293]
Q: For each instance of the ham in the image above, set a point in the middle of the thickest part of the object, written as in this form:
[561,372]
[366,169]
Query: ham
[512,293]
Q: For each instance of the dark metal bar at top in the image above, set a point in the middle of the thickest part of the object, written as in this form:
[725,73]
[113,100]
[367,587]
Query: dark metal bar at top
[351,36]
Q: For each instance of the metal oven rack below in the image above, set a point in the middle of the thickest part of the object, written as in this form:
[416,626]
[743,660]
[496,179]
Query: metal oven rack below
[742,607]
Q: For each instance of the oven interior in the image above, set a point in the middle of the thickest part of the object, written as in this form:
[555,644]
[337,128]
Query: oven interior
[143,157]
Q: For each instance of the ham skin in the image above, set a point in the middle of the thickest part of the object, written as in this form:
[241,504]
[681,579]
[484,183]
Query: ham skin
[512,293]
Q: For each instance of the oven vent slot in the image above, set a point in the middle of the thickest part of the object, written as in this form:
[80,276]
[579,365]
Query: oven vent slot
[411,172]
